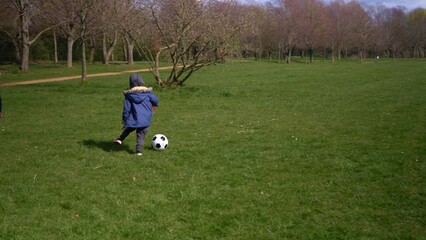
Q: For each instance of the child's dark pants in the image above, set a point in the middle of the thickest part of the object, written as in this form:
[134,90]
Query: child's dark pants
[140,136]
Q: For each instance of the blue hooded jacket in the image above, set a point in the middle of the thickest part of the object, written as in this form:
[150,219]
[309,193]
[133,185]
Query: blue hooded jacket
[138,103]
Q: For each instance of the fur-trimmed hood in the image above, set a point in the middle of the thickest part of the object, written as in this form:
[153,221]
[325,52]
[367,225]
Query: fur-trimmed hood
[137,94]
[138,89]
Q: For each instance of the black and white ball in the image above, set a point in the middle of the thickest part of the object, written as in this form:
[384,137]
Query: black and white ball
[159,142]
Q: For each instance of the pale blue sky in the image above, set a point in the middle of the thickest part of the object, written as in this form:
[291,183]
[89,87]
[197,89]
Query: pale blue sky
[409,4]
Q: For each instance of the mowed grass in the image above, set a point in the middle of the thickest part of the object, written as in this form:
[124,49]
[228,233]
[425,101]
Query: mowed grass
[257,150]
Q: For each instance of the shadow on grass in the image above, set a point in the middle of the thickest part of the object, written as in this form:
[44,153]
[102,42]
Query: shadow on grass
[107,146]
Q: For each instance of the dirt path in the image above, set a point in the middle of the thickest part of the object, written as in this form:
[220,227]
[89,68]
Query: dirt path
[48,80]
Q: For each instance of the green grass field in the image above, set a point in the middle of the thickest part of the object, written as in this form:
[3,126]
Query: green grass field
[257,150]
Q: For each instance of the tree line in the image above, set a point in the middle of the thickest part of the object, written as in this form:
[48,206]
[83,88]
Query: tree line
[338,29]
[191,34]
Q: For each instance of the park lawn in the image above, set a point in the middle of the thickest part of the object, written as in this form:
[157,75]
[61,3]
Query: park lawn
[257,150]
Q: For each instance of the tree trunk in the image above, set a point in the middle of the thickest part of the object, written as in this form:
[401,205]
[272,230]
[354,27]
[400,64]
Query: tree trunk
[70,43]
[130,47]
[305,56]
[156,70]
[55,48]
[279,53]
[17,51]
[108,50]
[83,61]
[24,41]
[92,50]
[105,57]
[23,38]
[125,51]
[339,52]
[288,56]
[25,56]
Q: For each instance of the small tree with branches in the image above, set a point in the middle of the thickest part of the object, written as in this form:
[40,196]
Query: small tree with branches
[194,34]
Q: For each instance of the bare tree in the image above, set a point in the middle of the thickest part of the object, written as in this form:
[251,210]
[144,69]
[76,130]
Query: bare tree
[269,31]
[22,24]
[416,20]
[335,27]
[87,12]
[109,42]
[390,29]
[108,19]
[360,28]
[9,26]
[130,45]
[132,22]
[64,12]
[310,21]
[251,38]
[77,19]
[288,23]
[109,29]
[195,34]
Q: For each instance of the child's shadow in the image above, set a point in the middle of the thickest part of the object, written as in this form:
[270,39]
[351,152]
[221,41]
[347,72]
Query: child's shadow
[107,146]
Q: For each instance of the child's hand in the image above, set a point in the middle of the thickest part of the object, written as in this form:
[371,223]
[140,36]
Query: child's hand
[154,108]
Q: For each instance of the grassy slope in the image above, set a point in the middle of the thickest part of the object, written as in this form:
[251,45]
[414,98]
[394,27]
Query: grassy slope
[257,151]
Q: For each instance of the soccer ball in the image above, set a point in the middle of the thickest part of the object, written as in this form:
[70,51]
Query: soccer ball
[159,142]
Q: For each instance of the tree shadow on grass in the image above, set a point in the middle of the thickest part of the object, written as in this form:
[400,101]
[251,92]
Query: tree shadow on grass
[107,146]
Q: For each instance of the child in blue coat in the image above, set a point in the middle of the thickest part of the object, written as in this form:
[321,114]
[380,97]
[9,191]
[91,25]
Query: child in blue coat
[139,102]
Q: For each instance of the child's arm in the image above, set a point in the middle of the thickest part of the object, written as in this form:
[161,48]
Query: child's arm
[154,101]
[126,110]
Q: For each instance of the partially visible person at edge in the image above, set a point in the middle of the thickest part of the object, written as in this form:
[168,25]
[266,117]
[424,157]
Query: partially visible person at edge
[1,109]
[139,104]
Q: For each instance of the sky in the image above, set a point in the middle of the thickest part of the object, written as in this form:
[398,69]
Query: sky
[409,4]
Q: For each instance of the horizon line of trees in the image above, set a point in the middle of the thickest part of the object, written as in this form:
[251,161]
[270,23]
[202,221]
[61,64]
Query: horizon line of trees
[194,33]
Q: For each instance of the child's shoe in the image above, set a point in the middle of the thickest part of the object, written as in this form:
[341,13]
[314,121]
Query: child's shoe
[117,142]
[138,154]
